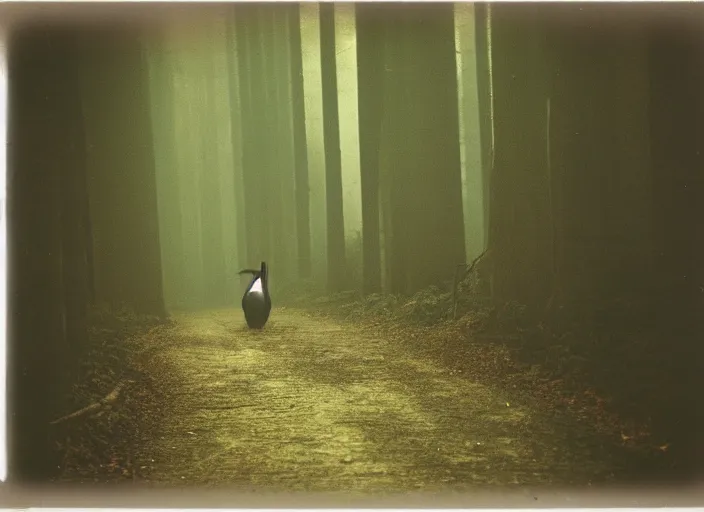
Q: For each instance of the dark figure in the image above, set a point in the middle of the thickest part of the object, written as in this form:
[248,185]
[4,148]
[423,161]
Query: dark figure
[256,302]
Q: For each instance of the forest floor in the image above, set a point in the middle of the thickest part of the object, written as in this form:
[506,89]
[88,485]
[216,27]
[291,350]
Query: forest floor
[313,403]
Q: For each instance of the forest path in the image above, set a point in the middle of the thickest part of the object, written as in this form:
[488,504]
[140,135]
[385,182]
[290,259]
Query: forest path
[313,404]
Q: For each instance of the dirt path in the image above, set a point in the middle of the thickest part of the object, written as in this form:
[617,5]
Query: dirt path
[313,404]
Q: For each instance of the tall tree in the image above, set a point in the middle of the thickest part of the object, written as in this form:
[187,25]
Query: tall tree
[237,107]
[370,75]
[206,105]
[269,113]
[165,161]
[599,138]
[392,141]
[286,156]
[188,164]
[471,136]
[519,206]
[348,108]
[279,176]
[676,127]
[676,110]
[482,44]
[120,169]
[420,149]
[255,136]
[333,164]
[227,153]
[314,119]
[300,142]
[245,40]
[47,257]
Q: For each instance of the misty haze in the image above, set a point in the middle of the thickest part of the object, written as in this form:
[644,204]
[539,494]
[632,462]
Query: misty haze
[361,248]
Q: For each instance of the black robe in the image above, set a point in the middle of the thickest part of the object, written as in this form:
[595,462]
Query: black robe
[256,302]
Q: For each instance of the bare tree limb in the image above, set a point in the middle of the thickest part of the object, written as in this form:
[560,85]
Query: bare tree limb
[107,400]
[455,283]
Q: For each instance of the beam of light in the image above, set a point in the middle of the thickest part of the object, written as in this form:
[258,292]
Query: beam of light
[3,259]
[257,286]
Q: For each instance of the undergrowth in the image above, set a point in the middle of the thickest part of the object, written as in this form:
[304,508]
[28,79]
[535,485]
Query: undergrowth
[607,363]
[101,446]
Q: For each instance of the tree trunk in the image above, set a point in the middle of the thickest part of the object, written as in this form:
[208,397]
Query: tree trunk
[187,165]
[599,140]
[270,115]
[519,234]
[422,148]
[677,132]
[47,264]
[392,141]
[300,143]
[286,162]
[255,134]
[236,115]
[120,168]
[317,177]
[212,246]
[168,194]
[473,164]
[333,164]
[484,93]
[244,35]
[348,108]
[222,113]
[370,76]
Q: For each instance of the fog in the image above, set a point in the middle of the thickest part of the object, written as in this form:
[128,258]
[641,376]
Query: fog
[480,224]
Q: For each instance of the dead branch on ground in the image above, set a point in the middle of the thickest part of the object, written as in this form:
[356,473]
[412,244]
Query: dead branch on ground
[109,399]
[468,270]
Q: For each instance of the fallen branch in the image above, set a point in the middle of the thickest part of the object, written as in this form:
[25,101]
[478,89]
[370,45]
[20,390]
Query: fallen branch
[468,270]
[107,400]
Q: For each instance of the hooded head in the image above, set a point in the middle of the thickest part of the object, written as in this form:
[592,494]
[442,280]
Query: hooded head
[264,273]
